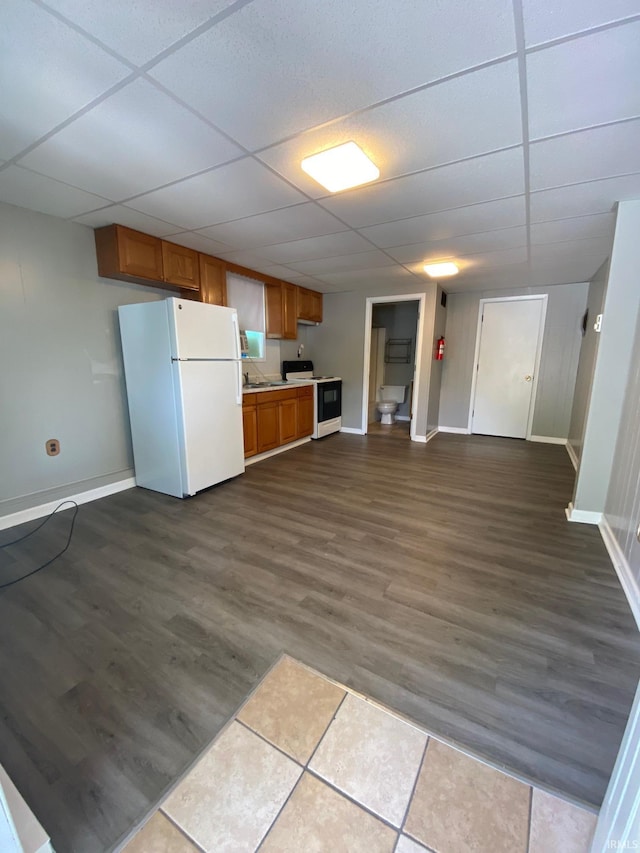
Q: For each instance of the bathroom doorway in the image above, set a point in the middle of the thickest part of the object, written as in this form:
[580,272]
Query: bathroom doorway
[392,351]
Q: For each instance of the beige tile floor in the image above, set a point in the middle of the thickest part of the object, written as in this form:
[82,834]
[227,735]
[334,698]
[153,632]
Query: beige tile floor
[307,765]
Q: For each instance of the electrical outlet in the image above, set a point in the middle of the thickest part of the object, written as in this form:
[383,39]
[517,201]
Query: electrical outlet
[52,446]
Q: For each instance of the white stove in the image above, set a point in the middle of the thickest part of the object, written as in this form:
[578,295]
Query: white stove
[327,401]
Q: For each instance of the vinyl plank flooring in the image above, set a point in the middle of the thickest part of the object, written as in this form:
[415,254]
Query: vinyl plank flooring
[441,579]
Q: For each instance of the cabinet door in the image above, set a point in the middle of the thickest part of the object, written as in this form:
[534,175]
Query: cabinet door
[304,304]
[128,255]
[213,280]
[274,307]
[290,309]
[316,306]
[305,415]
[288,420]
[139,254]
[181,266]
[309,305]
[250,429]
[268,436]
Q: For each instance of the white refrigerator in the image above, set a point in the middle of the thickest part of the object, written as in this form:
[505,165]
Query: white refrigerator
[183,372]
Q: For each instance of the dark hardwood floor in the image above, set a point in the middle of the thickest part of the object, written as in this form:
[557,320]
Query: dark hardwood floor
[441,579]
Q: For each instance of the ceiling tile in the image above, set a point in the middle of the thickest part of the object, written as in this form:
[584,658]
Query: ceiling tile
[473,114]
[243,188]
[123,215]
[576,228]
[49,73]
[452,247]
[328,246]
[247,258]
[196,240]
[479,261]
[460,184]
[598,247]
[586,156]
[343,263]
[26,189]
[139,31]
[133,142]
[449,223]
[556,18]
[277,226]
[583,199]
[365,279]
[327,45]
[581,83]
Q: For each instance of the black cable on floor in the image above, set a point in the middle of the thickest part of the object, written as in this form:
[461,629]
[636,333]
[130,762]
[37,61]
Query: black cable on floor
[31,532]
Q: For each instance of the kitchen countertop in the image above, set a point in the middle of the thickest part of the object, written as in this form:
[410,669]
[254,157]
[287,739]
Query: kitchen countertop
[292,383]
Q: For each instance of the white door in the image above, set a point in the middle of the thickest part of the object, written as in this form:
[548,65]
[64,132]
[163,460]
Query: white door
[203,331]
[509,341]
[211,422]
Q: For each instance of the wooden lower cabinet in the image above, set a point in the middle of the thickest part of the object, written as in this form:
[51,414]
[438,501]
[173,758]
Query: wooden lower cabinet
[250,429]
[273,418]
[288,420]
[268,426]
[305,411]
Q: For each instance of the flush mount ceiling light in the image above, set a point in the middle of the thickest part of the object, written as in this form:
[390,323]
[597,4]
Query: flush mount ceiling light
[441,270]
[341,167]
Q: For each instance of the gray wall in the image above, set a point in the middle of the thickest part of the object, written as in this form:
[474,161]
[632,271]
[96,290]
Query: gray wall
[339,347]
[435,387]
[621,303]
[400,319]
[62,373]
[558,365]
[587,361]
[622,506]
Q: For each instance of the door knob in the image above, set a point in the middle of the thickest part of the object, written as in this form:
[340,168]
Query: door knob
[527,378]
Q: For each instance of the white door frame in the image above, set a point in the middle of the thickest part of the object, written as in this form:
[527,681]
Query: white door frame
[536,373]
[619,818]
[420,298]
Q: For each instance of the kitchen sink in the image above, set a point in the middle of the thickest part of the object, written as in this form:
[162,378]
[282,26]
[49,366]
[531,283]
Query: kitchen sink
[273,384]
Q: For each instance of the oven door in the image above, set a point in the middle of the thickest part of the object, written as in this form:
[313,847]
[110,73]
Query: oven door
[329,400]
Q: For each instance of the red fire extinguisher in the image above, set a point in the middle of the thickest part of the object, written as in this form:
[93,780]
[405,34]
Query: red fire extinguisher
[439,349]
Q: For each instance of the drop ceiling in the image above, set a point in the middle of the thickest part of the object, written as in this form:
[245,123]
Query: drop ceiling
[505,132]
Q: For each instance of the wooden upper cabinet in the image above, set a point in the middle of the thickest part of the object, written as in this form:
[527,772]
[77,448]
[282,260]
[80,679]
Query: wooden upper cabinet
[128,255]
[213,280]
[281,305]
[180,266]
[290,309]
[309,306]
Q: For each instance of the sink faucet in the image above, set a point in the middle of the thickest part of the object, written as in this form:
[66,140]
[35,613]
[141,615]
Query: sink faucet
[245,377]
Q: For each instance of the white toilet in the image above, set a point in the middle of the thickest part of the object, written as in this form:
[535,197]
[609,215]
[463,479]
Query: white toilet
[389,398]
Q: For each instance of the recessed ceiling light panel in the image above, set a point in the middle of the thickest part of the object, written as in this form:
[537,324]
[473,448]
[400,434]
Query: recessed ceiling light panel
[341,167]
[441,270]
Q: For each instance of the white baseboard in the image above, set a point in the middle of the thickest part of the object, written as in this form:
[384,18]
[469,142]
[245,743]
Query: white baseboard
[284,447]
[423,439]
[629,583]
[403,418]
[547,439]
[572,456]
[352,430]
[582,516]
[458,430]
[80,498]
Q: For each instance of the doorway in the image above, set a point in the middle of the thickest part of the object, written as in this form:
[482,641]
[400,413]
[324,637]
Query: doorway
[392,355]
[507,360]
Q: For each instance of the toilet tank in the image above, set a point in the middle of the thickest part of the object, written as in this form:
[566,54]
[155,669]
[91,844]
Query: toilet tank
[392,393]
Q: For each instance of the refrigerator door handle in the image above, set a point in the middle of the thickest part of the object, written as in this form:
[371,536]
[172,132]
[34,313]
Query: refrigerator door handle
[239,382]
[236,336]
